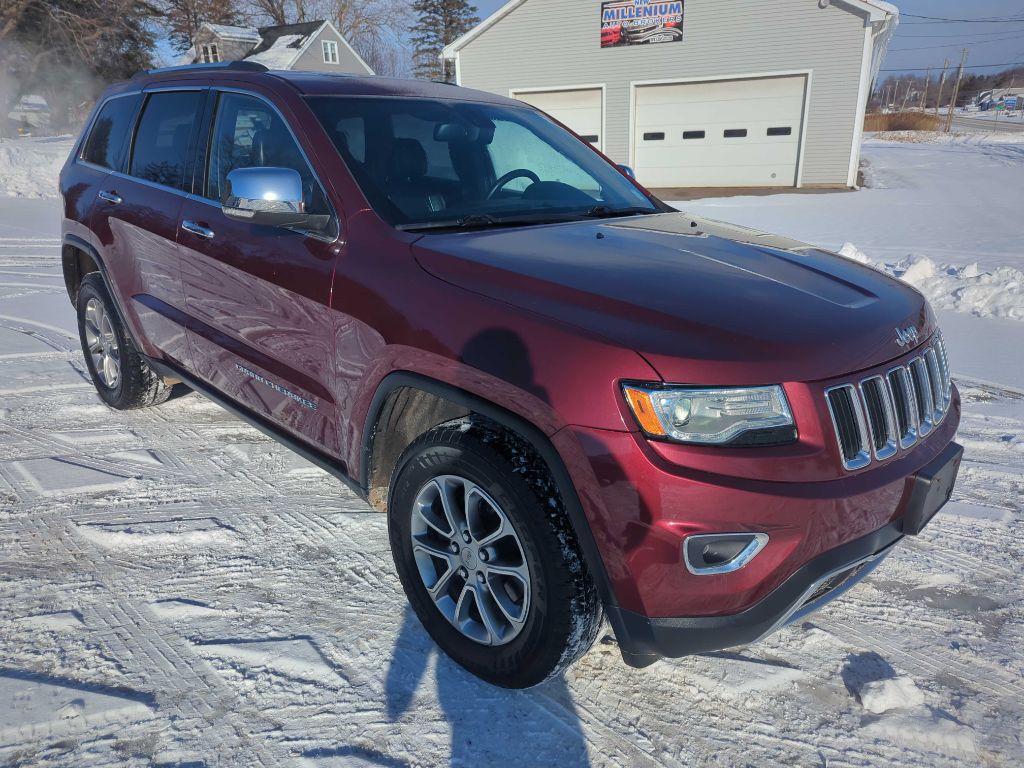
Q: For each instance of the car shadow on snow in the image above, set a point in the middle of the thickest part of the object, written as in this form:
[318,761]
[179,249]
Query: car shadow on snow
[489,725]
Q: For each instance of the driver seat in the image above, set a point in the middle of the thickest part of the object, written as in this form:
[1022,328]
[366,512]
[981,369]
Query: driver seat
[407,183]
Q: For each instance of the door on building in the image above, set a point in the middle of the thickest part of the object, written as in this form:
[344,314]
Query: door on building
[580,109]
[724,133]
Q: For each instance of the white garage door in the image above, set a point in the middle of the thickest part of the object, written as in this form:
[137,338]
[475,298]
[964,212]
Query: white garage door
[578,109]
[727,133]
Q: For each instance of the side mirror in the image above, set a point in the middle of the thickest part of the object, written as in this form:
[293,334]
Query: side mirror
[627,170]
[269,197]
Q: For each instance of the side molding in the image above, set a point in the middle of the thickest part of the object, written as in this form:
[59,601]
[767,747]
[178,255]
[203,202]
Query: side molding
[306,451]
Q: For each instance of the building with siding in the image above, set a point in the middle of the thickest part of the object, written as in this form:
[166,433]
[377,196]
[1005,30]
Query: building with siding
[314,46]
[694,93]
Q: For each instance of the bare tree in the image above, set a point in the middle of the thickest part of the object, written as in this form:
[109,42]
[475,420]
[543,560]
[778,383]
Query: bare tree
[275,12]
[185,17]
[67,50]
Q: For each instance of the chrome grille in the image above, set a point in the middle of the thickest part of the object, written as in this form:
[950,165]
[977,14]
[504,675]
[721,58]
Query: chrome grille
[882,415]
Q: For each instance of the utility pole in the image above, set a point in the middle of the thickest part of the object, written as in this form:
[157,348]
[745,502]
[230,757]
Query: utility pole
[942,82]
[927,84]
[956,90]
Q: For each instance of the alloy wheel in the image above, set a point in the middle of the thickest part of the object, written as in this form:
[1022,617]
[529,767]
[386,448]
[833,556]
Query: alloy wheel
[101,341]
[470,560]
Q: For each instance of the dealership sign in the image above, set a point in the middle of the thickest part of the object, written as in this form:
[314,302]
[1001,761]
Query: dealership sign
[636,22]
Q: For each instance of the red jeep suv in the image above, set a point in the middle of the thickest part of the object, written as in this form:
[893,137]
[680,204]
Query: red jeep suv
[572,401]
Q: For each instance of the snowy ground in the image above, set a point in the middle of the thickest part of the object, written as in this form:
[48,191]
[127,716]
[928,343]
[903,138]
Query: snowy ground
[177,590]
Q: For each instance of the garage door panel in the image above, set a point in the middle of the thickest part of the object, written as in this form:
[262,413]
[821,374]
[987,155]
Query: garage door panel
[580,109]
[737,133]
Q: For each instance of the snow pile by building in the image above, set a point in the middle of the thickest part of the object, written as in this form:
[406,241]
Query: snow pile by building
[30,167]
[995,292]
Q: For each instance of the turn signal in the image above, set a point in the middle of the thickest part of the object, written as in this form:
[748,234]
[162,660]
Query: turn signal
[643,409]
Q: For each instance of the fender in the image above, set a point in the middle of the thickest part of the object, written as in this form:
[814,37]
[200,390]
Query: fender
[69,267]
[534,436]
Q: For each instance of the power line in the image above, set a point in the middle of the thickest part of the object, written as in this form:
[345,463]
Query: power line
[975,66]
[956,44]
[958,35]
[943,20]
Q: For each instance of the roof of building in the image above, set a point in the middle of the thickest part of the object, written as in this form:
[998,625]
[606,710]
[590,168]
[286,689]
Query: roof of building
[280,54]
[271,36]
[239,34]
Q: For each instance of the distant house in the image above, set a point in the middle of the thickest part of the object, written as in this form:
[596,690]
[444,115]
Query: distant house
[314,46]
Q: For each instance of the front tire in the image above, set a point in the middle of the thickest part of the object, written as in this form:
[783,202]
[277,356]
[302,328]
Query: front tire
[487,556]
[123,379]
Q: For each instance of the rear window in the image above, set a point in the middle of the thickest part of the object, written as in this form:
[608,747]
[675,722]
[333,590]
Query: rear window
[161,141]
[106,141]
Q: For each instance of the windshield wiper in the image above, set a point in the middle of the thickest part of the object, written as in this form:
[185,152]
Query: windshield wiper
[484,220]
[607,212]
[471,221]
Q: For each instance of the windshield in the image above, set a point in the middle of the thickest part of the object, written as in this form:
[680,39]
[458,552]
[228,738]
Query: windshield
[423,163]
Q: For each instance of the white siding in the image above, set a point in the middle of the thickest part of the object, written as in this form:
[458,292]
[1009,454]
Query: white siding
[557,43]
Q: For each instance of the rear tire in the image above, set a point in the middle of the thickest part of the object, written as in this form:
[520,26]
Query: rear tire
[525,607]
[123,379]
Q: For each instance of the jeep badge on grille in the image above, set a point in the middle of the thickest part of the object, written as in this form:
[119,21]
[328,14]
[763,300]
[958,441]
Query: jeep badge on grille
[906,336]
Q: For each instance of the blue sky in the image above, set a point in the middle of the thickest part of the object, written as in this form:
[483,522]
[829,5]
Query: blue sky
[917,44]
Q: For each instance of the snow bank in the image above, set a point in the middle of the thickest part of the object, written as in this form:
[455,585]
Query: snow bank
[880,696]
[995,292]
[30,167]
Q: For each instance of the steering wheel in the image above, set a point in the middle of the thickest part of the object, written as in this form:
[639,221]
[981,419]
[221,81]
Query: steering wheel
[507,177]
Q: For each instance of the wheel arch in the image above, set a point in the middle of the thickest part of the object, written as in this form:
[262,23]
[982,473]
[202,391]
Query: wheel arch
[78,259]
[406,405]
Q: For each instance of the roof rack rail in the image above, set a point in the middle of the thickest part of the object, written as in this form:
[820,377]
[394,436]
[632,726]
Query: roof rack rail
[238,66]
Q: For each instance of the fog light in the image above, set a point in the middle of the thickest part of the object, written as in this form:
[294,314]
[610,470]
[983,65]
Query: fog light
[716,553]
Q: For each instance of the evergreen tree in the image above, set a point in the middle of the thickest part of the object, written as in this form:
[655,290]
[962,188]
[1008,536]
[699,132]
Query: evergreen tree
[439,22]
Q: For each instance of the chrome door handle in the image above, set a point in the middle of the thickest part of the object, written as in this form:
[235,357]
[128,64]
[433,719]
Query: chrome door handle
[196,229]
[111,197]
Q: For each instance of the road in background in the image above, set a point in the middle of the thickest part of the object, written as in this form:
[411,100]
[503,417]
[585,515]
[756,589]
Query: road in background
[989,122]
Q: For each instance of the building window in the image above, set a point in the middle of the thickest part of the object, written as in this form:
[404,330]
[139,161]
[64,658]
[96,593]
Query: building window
[209,53]
[330,51]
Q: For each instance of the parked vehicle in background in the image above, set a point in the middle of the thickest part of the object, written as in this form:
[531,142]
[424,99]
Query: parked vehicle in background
[571,400]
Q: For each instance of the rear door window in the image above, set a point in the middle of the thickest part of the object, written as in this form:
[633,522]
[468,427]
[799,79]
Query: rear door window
[107,139]
[162,138]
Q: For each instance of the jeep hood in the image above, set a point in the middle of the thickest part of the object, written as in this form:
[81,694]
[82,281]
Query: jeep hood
[703,302]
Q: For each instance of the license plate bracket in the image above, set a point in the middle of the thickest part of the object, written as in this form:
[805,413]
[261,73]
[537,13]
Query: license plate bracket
[931,489]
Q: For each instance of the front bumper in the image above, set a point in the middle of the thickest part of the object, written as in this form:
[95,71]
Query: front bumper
[644,640]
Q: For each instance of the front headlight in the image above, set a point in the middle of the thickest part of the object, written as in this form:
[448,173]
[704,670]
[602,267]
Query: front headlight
[733,416]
